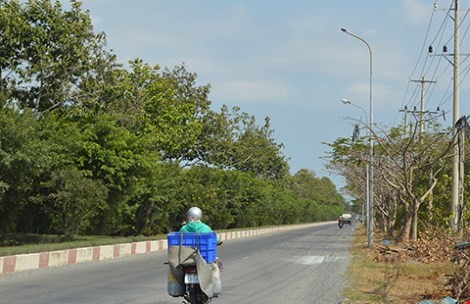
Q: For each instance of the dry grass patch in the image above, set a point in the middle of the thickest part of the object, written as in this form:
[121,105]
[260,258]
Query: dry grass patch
[392,282]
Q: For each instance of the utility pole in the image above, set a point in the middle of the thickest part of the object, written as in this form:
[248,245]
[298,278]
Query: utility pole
[462,127]
[455,160]
[461,204]
[405,123]
[455,188]
[421,128]
[421,113]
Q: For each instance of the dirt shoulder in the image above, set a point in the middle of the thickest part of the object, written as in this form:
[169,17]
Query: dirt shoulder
[402,273]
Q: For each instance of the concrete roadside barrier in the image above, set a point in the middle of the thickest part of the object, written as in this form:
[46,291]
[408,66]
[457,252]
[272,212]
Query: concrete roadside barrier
[41,260]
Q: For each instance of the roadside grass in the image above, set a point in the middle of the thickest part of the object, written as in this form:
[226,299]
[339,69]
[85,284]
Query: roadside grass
[378,282]
[32,243]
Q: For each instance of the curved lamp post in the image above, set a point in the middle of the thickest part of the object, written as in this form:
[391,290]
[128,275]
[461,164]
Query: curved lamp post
[348,102]
[370,209]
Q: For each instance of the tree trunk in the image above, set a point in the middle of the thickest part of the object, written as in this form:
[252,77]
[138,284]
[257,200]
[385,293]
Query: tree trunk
[1,80]
[431,178]
[406,229]
[393,217]
[414,230]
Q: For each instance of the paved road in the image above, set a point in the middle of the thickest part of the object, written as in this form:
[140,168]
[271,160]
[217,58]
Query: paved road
[298,266]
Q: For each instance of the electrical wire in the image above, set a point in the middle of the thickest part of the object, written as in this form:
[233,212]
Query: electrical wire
[425,67]
[468,25]
[465,71]
[424,43]
[428,65]
[432,87]
[440,34]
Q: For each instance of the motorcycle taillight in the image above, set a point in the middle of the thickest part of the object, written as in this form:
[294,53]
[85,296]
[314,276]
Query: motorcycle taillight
[190,269]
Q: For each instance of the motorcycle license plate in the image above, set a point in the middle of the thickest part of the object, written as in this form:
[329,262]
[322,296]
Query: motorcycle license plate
[191,278]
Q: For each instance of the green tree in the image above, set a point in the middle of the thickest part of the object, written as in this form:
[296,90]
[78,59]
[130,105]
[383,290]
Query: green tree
[72,200]
[153,201]
[321,200]
[47,52]
[113,155]
[233,140]
[165,106]
[20,163]
[105,152]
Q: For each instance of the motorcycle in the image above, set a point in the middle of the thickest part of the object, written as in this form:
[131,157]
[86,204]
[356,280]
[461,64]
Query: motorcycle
[194,267]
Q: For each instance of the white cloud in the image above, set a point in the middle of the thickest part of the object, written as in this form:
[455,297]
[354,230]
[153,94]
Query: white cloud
[416,12]
[308,24]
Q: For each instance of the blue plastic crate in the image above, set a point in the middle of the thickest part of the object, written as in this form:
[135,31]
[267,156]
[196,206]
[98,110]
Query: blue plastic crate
[206,243]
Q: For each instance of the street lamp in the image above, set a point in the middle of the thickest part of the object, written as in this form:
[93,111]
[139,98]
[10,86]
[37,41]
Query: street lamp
[370,219]
[347,101]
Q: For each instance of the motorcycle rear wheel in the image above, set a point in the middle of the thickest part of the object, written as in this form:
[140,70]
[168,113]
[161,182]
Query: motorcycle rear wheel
[193,297]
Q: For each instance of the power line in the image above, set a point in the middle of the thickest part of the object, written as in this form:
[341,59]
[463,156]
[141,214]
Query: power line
[439,35]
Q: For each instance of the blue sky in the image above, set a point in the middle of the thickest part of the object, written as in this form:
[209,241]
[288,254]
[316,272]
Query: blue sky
[289,60]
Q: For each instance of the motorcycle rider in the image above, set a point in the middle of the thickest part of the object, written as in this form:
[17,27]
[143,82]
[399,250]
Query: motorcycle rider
[195,224]
[340,222]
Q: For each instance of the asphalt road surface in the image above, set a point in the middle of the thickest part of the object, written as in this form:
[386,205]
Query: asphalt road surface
[297,266]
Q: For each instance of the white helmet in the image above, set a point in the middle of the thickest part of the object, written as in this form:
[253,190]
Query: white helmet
[194,214]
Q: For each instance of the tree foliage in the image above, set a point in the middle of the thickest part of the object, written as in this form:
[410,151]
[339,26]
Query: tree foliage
[46,52]
[90,147]
[72,199]
[20,162]
[233,140]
